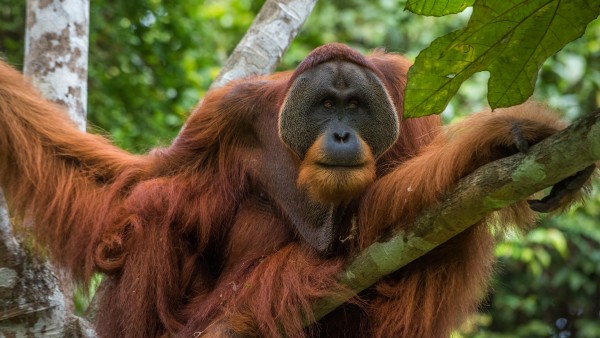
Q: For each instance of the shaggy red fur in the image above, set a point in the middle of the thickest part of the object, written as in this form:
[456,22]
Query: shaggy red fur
[189,244]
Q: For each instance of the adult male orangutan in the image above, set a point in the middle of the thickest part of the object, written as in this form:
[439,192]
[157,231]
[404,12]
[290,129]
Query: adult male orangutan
[273,184]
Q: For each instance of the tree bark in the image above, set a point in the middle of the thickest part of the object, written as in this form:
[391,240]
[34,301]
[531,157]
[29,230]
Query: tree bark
[56,52]
[267,39]
[57,63]
[490,188]
[35,297]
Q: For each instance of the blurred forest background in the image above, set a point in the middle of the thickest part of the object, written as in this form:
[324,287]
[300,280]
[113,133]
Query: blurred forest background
[151,62]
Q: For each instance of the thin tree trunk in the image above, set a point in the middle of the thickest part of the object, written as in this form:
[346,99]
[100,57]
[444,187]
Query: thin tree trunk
[267,39]
[56,52]
[35,297]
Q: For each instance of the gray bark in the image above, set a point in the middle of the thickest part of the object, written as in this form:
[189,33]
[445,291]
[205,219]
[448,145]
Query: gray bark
[33,300]
[267,39]
[491,187]
[56,52]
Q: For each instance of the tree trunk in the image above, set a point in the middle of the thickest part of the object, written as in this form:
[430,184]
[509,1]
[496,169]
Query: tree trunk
[267,39]
[35,297]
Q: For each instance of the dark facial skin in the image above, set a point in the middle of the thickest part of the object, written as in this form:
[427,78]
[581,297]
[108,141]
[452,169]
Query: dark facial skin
[343,101]
[276,170]
[347,109]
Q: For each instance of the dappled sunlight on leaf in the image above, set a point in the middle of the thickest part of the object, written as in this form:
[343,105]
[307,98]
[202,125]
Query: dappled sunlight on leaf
[512,47]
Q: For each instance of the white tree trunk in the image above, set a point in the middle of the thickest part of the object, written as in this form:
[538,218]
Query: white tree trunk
[56,52]
[269,36]
[56,61]
[32,303]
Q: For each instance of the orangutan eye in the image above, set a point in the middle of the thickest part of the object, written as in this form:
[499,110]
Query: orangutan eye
[263,197]
[353,104]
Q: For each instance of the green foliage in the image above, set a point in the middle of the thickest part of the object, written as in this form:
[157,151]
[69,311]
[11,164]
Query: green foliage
[437,8]
[367,25]
[519,33]
[83,296]
[570,80]
[151,61]
[12,32]
[548,282]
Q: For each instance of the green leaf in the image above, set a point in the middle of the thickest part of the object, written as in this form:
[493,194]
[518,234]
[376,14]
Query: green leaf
[437,8]
[510,39]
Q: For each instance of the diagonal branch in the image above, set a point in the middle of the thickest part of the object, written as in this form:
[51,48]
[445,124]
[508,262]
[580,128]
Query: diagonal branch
[491,187]
[267,39]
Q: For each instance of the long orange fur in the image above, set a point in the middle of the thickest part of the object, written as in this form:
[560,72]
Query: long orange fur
[188,248]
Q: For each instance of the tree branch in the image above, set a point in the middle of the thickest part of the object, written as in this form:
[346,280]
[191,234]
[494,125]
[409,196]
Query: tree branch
[490,188]
[269,36]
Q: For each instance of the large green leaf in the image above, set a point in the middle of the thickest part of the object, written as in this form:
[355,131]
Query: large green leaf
[509,38]
[437,7]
